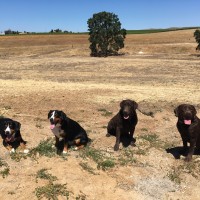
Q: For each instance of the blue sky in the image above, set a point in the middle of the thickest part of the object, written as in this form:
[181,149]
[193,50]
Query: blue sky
[72,15]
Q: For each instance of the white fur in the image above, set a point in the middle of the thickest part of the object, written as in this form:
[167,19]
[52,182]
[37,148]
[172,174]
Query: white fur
[12,150]
[57,131]
[8,129]
[26,151]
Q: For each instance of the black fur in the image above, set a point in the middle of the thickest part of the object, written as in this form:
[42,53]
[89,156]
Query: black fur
[70,128]
[123,123]
[189,133]
[17,139]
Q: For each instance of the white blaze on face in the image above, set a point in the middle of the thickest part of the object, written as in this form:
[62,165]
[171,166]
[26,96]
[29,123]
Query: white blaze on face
[52,126]
[53,115]
[8,129]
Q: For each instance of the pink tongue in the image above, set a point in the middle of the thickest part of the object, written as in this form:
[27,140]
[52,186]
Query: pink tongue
[187,122]
[126,117]
[52,126]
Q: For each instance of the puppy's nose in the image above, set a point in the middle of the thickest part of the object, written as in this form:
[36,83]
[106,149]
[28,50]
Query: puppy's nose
[125,113]
[188,115]
[51,120]
[7,132]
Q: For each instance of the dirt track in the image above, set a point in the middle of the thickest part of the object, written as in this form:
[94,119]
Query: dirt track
[39,73]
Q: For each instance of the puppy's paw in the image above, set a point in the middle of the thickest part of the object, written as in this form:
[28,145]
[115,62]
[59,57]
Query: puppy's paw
[133,144]
[116,147]
[12,150]
[188,159]
[108,135]
[26,151]
[64,152]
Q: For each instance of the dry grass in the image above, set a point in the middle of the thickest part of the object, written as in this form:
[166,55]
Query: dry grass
[39,73]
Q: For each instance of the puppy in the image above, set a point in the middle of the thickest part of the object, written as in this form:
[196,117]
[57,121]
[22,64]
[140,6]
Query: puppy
[66,130]
[124,122]
[188,125]
[10,133]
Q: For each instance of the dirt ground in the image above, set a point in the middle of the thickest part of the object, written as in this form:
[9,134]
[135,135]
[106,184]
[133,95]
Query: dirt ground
[159,71]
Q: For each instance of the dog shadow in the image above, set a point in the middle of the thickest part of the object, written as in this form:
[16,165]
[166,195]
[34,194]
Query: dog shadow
[177,152]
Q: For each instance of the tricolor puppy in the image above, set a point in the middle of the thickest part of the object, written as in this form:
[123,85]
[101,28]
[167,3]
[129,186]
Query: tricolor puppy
[67,130]
[188,125]
[10,133]
[124,122]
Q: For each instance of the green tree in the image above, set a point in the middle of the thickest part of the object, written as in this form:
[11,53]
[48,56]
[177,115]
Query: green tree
[106,35]
[197,37]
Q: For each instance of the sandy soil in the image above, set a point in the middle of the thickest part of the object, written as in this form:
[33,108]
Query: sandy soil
[159,71]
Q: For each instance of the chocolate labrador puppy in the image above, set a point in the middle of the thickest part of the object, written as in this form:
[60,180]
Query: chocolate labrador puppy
[188,125]
[124,122]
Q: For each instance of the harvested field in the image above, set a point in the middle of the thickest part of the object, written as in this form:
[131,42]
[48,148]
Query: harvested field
[43,72]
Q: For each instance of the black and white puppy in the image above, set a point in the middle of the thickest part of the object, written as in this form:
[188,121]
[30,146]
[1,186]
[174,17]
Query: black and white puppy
[124,122]
[10,133]
[67,130]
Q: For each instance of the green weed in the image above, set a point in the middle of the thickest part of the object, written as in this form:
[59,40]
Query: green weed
[174,175]
[45,148]
[43,174]
[127,157]
[87,168]
[52,191]
[98,157]
[5,170]
[106,164]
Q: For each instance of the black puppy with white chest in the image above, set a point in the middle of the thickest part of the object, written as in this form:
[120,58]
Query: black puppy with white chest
[188,125]
[124,122]
[66,130]
[10,133]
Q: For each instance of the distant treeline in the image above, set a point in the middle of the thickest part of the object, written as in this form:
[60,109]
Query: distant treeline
[56,31]
[59,31]
[158,30]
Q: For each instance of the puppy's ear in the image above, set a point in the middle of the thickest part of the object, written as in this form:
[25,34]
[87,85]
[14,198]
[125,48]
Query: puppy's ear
[194,111]
[63,116]
[134,104]
[49,114]
[122,103]
[176,111]
[17,126]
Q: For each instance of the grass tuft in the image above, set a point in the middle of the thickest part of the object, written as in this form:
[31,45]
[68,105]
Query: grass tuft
[45,148]
[52,191]
[43,174]
[5,170]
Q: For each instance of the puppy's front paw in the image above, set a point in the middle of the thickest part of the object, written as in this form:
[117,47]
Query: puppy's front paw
[12,150]
[133,144]
[64,152]
[188,158]
[116,147]
[108,135]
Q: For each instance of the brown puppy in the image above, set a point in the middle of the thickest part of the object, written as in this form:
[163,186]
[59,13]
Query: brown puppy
[124,122]
[188,125]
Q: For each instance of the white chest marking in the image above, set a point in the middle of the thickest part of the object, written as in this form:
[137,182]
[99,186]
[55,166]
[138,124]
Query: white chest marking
[57,131]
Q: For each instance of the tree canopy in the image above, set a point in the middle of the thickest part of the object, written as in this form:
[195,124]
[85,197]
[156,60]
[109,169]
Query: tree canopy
[197,37]
[106,35]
